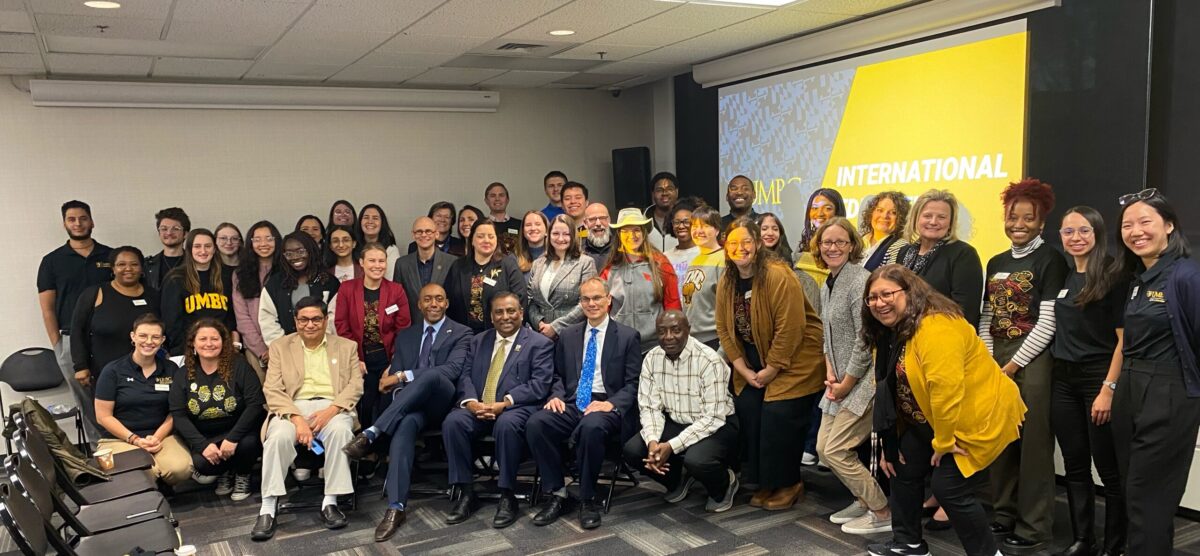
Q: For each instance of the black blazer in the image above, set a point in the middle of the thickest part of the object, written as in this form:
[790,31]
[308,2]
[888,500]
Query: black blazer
[450,348]
[955,272]
[620,367]
[406,274]
[527,372]
[504,274]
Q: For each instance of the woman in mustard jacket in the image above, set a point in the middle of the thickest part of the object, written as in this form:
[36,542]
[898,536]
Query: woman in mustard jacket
[942,408]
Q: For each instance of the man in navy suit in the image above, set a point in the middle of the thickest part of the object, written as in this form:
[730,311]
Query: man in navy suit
[593,399]
[508,380]
[426,363]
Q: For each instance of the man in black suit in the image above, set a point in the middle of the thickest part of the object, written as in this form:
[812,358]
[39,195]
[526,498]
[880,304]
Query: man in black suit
[426,265]
[593,399]
[427,361]
[509,378]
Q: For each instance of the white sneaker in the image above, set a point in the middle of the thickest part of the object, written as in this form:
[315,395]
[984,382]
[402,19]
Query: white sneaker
[850,513]
[301,474]
[868,524]
[204,479]
[808,459]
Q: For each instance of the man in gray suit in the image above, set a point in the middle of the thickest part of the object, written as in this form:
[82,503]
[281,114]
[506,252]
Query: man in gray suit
[427,265]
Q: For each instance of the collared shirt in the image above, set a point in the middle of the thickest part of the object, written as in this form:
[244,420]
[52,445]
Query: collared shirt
[693,390]
[437,329]
[425,271]
[67,274]
[1148,334]
[318,378]
[508,347]
[140,402]
[597,377]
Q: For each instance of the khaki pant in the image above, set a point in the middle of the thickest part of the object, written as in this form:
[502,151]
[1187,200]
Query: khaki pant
[279,450]
[837,444]
[172,464]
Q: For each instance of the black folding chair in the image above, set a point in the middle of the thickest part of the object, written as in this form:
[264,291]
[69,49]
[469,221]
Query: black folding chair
[488,468]
[34,372]
[123,462]
[118,486]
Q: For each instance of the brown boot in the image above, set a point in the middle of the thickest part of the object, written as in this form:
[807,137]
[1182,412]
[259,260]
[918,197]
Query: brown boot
[785,497]
[760,497]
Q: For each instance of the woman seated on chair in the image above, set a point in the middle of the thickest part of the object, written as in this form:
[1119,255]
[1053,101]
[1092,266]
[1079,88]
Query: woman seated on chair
[217,403]
[131,403]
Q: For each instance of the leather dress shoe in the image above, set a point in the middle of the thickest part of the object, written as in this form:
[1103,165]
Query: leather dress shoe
[785,497]
[506,512]
[332,517]
[553,508]
[1000,529]
[1020,545]
[359,447]
[760,496]
[264,528]
[463,508]
[589,514]
[392,520]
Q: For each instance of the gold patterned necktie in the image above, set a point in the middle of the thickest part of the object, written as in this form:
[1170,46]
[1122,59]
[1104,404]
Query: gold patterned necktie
[493,376]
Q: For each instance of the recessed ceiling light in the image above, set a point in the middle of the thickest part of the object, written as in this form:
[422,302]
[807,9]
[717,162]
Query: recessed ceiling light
[102,4]
[562,32]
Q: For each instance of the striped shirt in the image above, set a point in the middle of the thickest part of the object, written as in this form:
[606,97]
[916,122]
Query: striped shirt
[692,390]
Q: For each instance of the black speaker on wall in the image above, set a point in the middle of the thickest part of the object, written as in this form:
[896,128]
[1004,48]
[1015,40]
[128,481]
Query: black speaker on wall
[631,177]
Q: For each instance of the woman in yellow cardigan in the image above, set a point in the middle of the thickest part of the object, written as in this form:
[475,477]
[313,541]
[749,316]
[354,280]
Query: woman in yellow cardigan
[773,337]
[942,408]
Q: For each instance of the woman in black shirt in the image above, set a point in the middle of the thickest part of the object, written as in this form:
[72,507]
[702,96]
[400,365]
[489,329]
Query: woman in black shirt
[195,290]
[217,402]
[302,274]
[1087,364]
[935,253]
[475,278]
[105,313]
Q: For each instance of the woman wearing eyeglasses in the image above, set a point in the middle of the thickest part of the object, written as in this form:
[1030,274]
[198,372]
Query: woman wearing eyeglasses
[301,274]
[339,254]
[1155,410]
[1089,311]
[943,409]
[1017,326]
[229,245]
[262,255]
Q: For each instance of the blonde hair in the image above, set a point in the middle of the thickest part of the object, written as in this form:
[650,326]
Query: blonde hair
[943,195]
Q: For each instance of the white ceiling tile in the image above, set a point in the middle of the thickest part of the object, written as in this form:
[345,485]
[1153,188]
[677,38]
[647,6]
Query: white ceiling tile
[612,52]
[454,76]
[407,59]
[312,55]
[849,7]
[702,17]
[482,18]
[769,28]
[21,63]
[360,73]
[450,44]
[590,19]
[138,9]
[18,43]
[365,16]
[232,21]
[84,26]
[90,64]
[15,21]
[630,67]
[291,72]
[517,78]
[201,67]
[647,33]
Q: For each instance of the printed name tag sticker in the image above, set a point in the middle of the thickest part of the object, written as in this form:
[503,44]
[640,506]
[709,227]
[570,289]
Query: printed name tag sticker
[1000,276]
[489,281]
[391,309]
[139,302]
[1062,294]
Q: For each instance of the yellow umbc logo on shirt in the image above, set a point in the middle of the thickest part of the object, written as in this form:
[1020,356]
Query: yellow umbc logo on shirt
[1156,297]
[197,301]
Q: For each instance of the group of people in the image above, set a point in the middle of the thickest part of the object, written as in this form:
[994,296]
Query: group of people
[703,347]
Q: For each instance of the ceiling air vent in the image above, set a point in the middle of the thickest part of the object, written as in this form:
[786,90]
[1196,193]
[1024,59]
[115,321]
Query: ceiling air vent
[518,47]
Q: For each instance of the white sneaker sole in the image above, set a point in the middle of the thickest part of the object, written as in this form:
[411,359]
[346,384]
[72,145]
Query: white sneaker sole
[841,520]
[865,531]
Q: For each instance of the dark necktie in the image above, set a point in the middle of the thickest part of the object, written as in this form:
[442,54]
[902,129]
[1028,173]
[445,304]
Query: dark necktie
[426,349]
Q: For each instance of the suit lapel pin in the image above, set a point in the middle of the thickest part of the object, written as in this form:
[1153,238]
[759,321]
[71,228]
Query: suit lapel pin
[333,361]
[517,348]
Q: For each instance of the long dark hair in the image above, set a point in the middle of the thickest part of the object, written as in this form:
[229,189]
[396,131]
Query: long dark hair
[188,272]
[192,361]
[470,255]
[839,209]
[353,214]
[466,208]
[1177,243]
[320,225]
[781,248]
[386,237]
[314,273]
[247,271]
[923,300]
[331,258]
[1101,274]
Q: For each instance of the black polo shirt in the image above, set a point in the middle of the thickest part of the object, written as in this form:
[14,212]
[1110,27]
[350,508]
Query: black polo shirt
[67,273]
[1148,334]
[139,402]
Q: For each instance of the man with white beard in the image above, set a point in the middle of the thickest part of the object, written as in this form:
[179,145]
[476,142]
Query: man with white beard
[598,242]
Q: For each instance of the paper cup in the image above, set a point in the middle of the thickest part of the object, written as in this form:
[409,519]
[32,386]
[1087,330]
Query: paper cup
[105,459]
[185,550]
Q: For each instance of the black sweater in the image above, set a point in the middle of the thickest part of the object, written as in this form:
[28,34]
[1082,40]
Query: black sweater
[208,407]
[100,334]
[181,308]
[955,272]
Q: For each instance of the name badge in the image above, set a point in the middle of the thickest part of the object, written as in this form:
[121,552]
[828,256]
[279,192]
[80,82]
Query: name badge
[1000,276]
[512,231]
[162,387]
[391,309]
[1135,292]
[1062,294]
[139,302]
[489,281]
[748,294]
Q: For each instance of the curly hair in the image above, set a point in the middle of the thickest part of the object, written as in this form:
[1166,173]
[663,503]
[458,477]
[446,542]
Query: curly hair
[899,200]
[191,360]
[1037,192]
[923,300]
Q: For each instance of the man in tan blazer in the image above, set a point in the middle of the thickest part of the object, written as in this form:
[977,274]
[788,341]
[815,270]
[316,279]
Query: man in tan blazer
[313,383]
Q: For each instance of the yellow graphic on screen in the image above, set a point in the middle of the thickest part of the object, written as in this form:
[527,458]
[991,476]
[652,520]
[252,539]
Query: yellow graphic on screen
[949,119]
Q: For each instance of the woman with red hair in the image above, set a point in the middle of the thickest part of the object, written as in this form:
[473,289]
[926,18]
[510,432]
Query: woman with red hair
[1017,325]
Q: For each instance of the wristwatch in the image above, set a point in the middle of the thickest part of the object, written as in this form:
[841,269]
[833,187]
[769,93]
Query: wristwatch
[1111,384]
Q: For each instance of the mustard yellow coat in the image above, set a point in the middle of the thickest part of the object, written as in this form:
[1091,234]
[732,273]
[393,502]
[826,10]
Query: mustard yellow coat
[962,392]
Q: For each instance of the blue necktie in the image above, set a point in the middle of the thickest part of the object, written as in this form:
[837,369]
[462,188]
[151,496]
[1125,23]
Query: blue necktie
[583,393]
[426,349]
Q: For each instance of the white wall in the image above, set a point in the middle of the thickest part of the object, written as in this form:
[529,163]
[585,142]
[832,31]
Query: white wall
[242,166]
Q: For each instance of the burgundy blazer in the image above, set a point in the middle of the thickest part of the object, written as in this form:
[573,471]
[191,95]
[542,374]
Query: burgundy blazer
[349,313]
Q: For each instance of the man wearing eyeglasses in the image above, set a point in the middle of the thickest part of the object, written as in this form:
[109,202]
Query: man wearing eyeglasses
[313,383]
[427,265]
[173,226]
[597,243]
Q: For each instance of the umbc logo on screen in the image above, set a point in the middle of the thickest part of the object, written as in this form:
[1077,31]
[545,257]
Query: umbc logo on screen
[770,194]
[929,170]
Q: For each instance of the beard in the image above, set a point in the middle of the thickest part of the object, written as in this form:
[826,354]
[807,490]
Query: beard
[599,241]
[81,237]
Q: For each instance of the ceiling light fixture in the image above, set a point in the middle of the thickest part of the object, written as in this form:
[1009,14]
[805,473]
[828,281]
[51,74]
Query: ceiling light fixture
[102,4]
[562,32]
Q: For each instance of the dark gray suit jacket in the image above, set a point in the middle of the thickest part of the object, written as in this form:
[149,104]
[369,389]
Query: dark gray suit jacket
[407,275]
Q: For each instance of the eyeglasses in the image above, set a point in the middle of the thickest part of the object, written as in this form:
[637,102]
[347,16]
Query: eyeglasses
[305,321]
[1084,231]
[1139,196]
[165,229]
[262,240]
[423,232]
[885,297]
[839,243]
[596,219]
[148,338]
[295,254]
[592,299]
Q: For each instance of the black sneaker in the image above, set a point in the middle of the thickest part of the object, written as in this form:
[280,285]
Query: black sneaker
[893,548]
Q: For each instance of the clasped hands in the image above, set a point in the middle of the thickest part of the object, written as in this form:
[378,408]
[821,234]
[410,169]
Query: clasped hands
[757,379]
[306,427]
[658,455]
[215,453]
[487,411]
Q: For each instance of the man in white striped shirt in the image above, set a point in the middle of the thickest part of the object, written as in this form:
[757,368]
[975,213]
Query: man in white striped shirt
[689,432]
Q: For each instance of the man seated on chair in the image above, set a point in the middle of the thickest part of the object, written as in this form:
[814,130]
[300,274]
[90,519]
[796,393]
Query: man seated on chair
[508,380]
[426,363]
[313,383]
[689,431]
[593,399]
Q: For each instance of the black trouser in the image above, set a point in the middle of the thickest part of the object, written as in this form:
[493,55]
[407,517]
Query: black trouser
[772,436]
[249,448]
[372,403]
[706,460]
[1075,387]
[1155,425]
[955,493]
